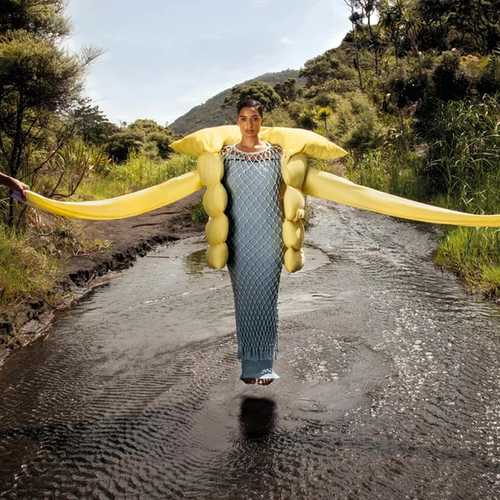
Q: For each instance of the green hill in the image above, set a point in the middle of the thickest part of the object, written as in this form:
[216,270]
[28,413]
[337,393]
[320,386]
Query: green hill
[211,112]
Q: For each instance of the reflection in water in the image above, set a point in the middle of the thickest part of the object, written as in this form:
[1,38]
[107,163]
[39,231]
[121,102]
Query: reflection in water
[195,262]
[257,418]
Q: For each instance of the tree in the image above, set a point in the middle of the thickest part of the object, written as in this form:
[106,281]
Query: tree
[37,79]
[43,18]
[472,25]
[156,139]
[321,68]
[367,8]
[391,21]
[286,90]
[261,91]
[143,136]
[91,123]
[124,142]
[307,119]
[356,19]
[323,114]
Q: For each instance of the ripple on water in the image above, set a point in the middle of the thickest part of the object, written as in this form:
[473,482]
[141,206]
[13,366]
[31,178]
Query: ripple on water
[389,388]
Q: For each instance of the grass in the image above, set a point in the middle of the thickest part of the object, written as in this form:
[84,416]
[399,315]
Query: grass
[474,254]
[137,173]
[388,169]
[31,261]
[24,270]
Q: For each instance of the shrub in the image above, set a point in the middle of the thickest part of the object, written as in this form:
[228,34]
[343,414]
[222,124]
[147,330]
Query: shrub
[463,159]
[356,124]
[450,83]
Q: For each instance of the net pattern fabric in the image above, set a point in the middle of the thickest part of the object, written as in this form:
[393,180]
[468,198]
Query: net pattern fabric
[256,248]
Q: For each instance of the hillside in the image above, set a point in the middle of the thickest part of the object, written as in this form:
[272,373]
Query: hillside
[211,112]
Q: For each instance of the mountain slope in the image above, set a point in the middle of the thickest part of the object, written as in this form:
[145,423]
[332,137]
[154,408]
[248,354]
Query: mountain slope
[211,113]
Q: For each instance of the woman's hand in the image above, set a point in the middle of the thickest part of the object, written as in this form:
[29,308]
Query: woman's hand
[21,187]
[18,188]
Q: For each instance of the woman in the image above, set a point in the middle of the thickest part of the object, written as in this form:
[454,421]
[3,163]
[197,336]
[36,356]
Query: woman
[252,178]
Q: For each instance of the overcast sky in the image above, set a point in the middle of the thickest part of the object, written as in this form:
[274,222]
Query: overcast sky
[162,57]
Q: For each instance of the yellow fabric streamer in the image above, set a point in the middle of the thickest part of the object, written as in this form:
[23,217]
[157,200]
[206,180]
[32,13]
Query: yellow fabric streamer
[334,188]
[301,179]
[120,207]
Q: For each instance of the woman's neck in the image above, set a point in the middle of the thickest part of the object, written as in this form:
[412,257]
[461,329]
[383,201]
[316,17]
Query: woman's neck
[251,145]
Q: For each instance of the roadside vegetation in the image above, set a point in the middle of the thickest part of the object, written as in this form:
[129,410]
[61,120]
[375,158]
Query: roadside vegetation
[414,98]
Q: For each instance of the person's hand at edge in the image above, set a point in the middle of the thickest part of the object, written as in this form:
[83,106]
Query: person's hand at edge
[17,187]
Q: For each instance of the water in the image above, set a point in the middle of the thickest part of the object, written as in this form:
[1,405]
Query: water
[390,381]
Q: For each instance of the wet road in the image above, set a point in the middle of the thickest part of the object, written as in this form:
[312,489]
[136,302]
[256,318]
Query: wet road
[390,381]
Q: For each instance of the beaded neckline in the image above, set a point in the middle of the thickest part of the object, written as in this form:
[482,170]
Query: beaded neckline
[268,147]
[270,152]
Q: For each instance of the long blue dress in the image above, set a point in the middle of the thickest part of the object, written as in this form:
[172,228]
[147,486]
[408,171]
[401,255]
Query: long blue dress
[256,250]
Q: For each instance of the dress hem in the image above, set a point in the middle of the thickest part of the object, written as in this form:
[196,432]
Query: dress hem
[257,355]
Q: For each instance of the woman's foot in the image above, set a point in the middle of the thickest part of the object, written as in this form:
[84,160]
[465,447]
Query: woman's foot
[249,380]
[258,372]
[265,381]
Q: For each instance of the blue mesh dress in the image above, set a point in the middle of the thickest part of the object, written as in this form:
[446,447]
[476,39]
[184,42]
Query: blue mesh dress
[253,182]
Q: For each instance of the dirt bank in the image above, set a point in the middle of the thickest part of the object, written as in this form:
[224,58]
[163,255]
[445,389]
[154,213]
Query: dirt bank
[25,322]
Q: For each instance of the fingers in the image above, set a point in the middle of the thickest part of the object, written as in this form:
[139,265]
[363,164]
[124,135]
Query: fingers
[18,195]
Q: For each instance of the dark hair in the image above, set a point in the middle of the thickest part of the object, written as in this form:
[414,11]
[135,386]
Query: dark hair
[249,102]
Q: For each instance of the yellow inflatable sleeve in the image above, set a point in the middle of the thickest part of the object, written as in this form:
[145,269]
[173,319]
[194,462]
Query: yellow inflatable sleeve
[120,207]
[334,188]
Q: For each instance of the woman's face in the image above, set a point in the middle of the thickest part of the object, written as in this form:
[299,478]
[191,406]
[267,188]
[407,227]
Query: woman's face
[249,122]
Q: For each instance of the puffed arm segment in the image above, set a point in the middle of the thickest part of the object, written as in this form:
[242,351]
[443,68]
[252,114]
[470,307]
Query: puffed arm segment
[331,187]
[121,207]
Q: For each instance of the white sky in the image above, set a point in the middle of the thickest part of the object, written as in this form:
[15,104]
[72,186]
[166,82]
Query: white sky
[162,57]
